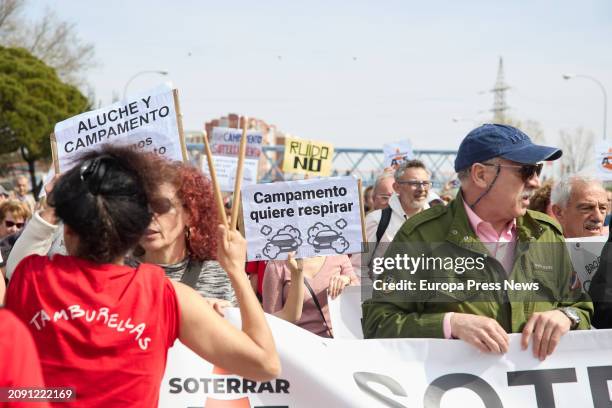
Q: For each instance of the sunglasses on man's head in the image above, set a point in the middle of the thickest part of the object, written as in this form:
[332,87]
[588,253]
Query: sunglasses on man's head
[527,171]
[10,224]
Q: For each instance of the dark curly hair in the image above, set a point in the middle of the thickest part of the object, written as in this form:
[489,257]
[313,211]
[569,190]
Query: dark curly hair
[103,200]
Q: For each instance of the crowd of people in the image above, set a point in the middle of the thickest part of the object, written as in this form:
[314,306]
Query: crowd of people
[126,255]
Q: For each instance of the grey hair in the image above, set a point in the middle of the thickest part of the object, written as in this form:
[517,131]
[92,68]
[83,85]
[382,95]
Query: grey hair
[382,178]
[464,174]
[562,190]
[409,164]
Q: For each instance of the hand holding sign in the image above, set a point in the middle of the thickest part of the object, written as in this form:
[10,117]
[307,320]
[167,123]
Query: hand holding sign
[231,251]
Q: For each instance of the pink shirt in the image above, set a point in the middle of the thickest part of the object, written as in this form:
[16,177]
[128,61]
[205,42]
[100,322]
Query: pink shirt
[500,246]
[277,281]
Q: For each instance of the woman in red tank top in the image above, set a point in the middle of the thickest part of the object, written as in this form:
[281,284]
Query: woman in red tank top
[104,328]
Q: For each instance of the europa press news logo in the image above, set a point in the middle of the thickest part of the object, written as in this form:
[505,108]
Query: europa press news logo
[225,382]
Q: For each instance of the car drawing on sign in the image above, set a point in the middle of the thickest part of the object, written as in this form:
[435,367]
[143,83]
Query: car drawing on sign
[284,242]
[324,239]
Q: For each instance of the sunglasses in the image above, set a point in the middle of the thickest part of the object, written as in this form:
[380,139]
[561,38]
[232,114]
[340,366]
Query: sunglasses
[10,224]
[526,171]
[161,205]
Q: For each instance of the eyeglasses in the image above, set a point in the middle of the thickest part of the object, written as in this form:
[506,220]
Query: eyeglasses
[10,224]
[527,171]
[415,183]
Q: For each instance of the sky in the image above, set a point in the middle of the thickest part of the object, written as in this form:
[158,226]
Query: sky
[355,73]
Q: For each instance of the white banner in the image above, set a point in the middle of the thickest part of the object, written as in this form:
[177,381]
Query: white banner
[345,313]
[585,253]
[147,121]
[225,146]
[398,152]
[312,217]
[419,373]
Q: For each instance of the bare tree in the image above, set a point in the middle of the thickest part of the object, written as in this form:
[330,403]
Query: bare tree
[9,13]
[50,39]
[577,148]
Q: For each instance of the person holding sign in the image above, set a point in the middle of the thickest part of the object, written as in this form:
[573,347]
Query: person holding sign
[103,327]
[181,237]
[321,275]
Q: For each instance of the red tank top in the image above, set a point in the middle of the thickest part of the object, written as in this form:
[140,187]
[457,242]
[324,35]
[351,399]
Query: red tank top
[102,329]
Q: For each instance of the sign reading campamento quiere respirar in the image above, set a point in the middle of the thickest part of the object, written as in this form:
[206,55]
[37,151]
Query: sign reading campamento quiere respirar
[311,217]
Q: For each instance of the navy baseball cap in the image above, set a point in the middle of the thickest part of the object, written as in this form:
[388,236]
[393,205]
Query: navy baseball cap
[491,140]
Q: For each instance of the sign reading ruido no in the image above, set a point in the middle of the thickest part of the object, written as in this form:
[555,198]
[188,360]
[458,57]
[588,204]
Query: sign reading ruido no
[311,217]
[307,157]
[148,121]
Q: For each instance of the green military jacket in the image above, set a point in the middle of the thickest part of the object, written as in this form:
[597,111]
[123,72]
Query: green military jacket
[444,232]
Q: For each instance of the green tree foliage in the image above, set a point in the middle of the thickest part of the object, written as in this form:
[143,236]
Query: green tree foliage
[32,100]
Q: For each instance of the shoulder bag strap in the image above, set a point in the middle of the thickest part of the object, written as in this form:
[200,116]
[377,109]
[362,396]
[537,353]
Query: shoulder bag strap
[316,301]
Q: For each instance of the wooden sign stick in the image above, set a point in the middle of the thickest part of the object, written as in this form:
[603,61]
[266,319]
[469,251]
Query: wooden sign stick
[54,153]
[362,214]
[179,123]
[238,182]
[213,177]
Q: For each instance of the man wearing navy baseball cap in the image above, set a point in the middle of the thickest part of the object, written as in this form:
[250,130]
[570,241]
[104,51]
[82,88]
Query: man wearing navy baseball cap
[498,167]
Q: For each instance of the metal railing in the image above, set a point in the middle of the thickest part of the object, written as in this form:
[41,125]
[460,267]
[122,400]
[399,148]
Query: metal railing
[362,163]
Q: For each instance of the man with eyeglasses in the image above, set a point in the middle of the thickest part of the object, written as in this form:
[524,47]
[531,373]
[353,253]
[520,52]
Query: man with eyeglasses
[411,184]
[489,229]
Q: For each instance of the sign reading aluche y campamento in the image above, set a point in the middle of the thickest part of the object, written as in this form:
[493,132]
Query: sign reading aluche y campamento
[311,217]
[147,121]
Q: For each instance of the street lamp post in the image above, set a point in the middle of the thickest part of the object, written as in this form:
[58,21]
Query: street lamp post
[125,88]
[603,90]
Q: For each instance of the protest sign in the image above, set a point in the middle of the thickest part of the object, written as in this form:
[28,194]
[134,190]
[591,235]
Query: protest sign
[224,146]
[397,152]
[603,160]
[308,157]
[585,253]
[149,121]
[419,373]
[312,217]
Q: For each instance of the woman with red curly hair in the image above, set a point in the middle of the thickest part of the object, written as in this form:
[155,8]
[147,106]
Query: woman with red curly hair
[181,237]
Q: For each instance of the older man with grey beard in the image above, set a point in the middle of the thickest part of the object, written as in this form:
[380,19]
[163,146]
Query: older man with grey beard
[580,204]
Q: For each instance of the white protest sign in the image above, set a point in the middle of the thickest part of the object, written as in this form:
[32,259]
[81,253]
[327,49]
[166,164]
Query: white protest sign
[585,253]
[225,146]
[603,160]
[312,217]
[345,313]
[397,152]
[147,121]
[412,373]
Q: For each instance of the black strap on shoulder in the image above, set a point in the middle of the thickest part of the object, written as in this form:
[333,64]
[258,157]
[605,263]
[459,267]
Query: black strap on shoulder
[316,302]
[385,218]
[191,275]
